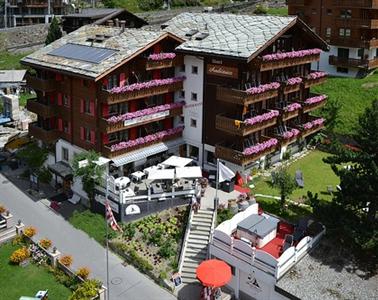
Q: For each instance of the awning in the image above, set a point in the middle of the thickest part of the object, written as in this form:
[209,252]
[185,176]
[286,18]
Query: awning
[161,174]
[176,161]
[189,172]
[61,169]
[145,152]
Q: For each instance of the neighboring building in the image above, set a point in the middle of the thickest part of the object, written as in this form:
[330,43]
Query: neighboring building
[225,55]
[100,16]
[261,249]
[350,27]
[29,12]
[12,81]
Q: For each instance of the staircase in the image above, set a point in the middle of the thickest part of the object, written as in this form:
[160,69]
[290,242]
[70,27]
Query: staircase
[196,244]
[7,234]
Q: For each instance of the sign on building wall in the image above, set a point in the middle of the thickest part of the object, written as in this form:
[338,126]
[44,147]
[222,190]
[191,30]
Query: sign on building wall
[146,118]
[222,71]
[132,209]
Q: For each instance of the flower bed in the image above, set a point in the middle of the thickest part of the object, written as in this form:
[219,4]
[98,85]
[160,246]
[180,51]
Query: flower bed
[260,147]
[294,81]
[316,99]
[146,85]
[161,56]
[293,107]
[314,123]
[147,139]
[262,118]
[316,75]
[292,54]
[144,112]
[290,133]
[263,88]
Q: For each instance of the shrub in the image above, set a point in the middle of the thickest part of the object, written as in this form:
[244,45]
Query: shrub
[163,275]
[17,240]
[30,231]
[129,230]
[2,209]
[66,260]
[19,255]
[168,249]
[86,291]
[44,175]
[63,278]
[260,10]
[224,215]
[45,243]
[83,272]
[140,262]
[286,155]
[150,4]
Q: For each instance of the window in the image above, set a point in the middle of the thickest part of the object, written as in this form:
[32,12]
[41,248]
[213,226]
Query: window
[87,134]
[329,12]
[65,155]
[360,52]
[376,52]
[194,70]
[182,68]
[193,123]
[66,100]
[66,127]
[87,106]
[182,94]
[113,81]
[342,70]
[210,157]
[347,32]
[346,13]
[193,152]
[194,97]
[328,31]
[341,32]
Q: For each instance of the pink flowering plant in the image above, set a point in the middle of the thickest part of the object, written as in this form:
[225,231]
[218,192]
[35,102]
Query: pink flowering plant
[145,112]
[293,107]
[290,133]
[161,56]
[314,123]
[316,75]
[263,88]
[291,54]
[146,85]
[316,99]
[262,118]
[147,139]
[294,81]
[260,147]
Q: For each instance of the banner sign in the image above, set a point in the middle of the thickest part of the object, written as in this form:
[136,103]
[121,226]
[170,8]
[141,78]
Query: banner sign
[141,119]
[222,71]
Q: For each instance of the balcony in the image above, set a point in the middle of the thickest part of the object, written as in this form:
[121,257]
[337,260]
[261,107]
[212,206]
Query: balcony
[107,151]
[47,136]
[45,85]
[356,3]
[241,128]
[314,79]
[112,98]
[288,137]
[41,109]
[290,111]
[240,97]
[107,127]
[292,87]
[238,157]
[357,23]
[353,62]
[163,64]
[314,102]
[295,2]
[312,126]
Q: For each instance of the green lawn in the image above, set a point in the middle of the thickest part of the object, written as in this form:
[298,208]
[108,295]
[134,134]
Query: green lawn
[9,61]
[91,223]
[278,11]
[316,174]
[353,94]
[24,98]
[16,281]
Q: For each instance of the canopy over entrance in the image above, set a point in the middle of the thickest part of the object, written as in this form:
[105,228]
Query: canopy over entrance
[62,170]
[176,161]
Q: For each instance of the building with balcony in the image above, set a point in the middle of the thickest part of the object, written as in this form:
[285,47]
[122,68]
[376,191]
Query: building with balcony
[351,29]
[247,87]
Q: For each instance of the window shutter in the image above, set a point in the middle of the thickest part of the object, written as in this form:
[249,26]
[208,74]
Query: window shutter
[93,137]
[168,98]
[105,110]
[58,77]
[82,133]
[60,124]
[81,106]
[105,138]
[92,108]
[122,79]
[156,74]
[60,99]
[52,99]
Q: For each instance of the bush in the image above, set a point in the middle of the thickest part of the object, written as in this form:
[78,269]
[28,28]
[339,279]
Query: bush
[45,243]
[86,291]
[44,175]
[63,278]
[223,215]
[260,10]
[150,4]
[2,209]
[168,249]
[129,230]
[83,272]
[163,275]
[140,262]
[30,231]
[19,255]
[17,240]
[66,260]
[286,155]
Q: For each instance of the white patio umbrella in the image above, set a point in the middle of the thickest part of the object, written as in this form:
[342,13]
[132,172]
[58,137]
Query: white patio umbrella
[188,172]
[176,161]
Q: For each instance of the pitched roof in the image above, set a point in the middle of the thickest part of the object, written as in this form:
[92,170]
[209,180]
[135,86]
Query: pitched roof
[126,45]
[94,13]
[10,76]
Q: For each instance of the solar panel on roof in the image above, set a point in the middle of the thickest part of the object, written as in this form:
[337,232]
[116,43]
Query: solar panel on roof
[83,53]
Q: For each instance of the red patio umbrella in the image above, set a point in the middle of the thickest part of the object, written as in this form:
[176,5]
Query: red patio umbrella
[214,273]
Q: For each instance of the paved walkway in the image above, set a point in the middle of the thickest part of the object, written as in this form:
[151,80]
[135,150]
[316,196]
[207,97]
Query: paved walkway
[126,282]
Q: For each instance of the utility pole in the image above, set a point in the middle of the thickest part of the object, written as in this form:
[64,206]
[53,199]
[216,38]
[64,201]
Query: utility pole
[5,14]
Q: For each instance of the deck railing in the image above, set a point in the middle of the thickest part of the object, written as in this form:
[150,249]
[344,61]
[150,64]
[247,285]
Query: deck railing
[163,64]
[48,136]
[41,109]
[240,97]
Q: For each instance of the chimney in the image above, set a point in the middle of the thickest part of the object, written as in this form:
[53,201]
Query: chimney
[123,24]
[110,23]
[116,22]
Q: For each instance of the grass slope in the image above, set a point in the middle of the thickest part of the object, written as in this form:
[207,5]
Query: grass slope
[91,223]
[16,281]
[9,61]
[278,11]
[353,94]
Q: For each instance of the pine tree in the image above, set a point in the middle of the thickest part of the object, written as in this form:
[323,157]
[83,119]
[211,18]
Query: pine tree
[54,32]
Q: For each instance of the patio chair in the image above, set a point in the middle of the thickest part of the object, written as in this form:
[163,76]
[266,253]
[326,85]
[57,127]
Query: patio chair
[299,178]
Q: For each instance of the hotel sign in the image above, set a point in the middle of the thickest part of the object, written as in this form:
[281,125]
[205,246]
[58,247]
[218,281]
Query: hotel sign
[222,71]
[141,119]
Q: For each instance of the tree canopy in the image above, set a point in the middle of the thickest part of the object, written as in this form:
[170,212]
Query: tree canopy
[285,183]
[54,33]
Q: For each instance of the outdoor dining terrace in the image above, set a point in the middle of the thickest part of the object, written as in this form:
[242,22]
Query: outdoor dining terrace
[315,101]
[250,153]
[234,126]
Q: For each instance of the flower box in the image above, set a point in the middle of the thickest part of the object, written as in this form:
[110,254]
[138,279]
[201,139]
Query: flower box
[314,103]
[315,78]
[293,85]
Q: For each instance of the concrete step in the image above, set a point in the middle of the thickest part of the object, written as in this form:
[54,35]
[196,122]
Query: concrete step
[191,263]
[197,246]
[202,217]
[196,255]
[185,274]
[196,251]
[192,241]
[189,280]
[193,260]
[201,222]
[197,236]
[205,212]
[189,270]
[202,228]
[7,236]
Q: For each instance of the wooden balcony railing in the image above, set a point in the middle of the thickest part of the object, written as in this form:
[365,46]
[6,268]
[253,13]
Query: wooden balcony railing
[166,63]
[47,136]
[287,115]
[356,3]
[287,62]
[46,85]
[43,110]
[237,127]
[353,62]
[310,107]
[110,98]
[312,130]
[108,153]
[286,141]
[308,83]
[237,157]
[291,88]
[295,2]
[114,127]
[240,97]
[357,23]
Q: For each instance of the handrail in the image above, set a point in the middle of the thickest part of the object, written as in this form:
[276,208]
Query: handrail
[212,230]
[185,241]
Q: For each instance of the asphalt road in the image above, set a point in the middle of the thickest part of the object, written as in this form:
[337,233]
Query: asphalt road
[125,282]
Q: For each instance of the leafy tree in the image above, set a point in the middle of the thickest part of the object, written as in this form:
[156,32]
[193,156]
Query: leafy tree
[285,183]
[359,182]
[54,33]
[109,3]
[331,113]
[86,291]
[91,174]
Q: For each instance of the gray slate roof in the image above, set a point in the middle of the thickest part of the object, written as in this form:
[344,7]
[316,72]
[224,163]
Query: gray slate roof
[10,76]
[93,12]
[126,44]
[258,224]
[230,35]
